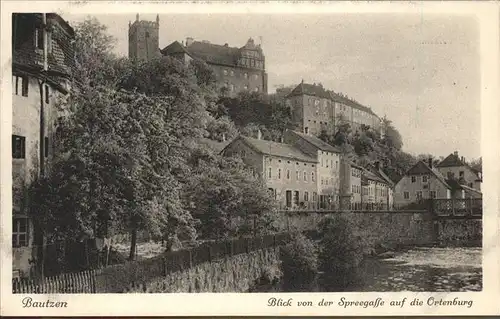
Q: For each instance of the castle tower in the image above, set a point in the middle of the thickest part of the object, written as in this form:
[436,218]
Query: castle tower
[143,39]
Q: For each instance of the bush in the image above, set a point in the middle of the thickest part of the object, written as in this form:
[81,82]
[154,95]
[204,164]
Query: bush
[341,250]
[299,259]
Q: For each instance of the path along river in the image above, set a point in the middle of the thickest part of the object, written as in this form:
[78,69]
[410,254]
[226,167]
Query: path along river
[418,269]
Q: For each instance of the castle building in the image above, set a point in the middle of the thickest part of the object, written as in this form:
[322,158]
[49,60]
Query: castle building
[42,63]
[237,69]
[314,109]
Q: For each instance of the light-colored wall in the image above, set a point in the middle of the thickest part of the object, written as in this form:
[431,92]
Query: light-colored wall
[406,185]
[469,175]
[329,172]
[255,78]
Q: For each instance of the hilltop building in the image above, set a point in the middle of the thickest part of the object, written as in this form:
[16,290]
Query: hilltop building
[314,109]
[237,69]
[42,64]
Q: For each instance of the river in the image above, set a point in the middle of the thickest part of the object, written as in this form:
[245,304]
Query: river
[417,269]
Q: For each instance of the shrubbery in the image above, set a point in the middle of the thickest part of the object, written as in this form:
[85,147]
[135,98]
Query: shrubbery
[300,260]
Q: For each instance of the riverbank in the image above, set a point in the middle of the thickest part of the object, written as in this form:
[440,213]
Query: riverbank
[451,269]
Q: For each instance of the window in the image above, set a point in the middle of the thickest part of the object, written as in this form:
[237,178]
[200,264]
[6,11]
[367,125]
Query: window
[256,76]
[315,196]
[232,87]
[461,173]
[46,146]
[47,100]
[296,198]
[406,195]
[269,173]
[25,85]
[312,176]
[306,196]
[19,232]
[225,72]
[297,175]
[419,195]
[147,34]
[470,185]
[232,73]
[424,178]
[305,176]
[413,179]
[245,87]
[306,130]
[287,174]
[256,89]
[39,39]
[279,173]
[18,146]
[245,75]
[432,194]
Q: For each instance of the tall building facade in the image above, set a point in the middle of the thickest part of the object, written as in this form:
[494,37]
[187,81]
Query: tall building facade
[43,59]
[237,69]
[143,39]
[314,109]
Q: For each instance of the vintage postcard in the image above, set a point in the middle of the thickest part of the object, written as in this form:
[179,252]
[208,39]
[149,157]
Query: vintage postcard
[250,158]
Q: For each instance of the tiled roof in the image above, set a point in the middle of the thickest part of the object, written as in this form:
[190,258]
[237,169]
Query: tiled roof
[317,142]
[214,145]
[381,174]
[174,47]
[372,176]
[423,168]
[277,149]
[451,160]
[319,91]
[214,53]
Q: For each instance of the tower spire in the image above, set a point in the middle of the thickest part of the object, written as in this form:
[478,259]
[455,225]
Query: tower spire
[137,17]
[158,19]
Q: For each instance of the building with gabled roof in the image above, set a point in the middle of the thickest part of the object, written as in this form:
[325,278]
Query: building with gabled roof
[315,109]
[236,69]
[289,173]
[455,167]
[328,158]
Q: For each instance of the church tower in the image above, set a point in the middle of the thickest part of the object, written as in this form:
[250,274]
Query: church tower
[143,39]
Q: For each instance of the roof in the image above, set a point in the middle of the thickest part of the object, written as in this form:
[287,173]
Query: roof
[214,53]
[214,145]
[381,174]
[174,47]
[451,160]
[317,142]
[277,149]
[372,176]
[422,168]
[319,91]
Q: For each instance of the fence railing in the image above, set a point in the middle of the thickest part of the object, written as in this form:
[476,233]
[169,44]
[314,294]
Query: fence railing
[457,207]
[80,282]
[117,277]
[336,207]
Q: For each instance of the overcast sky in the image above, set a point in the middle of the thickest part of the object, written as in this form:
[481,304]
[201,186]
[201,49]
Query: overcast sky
[423,72]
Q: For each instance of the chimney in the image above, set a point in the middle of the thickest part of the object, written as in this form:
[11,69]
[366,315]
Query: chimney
[226,45]
[189,41]
[137,17]
[455,153]
[259,134]
[429,162]
[158,19]
[463,159]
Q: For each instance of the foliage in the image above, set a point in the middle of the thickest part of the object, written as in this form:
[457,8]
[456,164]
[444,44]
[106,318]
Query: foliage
[227,198]
[477,164]
[299,259]
[341,249]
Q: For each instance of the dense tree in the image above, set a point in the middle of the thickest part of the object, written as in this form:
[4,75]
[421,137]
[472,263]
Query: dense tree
[392,138]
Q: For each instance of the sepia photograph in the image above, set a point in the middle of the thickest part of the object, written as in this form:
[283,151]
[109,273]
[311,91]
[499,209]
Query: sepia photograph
[247,153]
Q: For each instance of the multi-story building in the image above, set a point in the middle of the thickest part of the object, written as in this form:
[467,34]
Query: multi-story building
[236,69]
[314,109]
[289,173]
[386,187]
[422,181]
[374,193]
[328,172]
[42,64]
[455,167]
[350,185]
